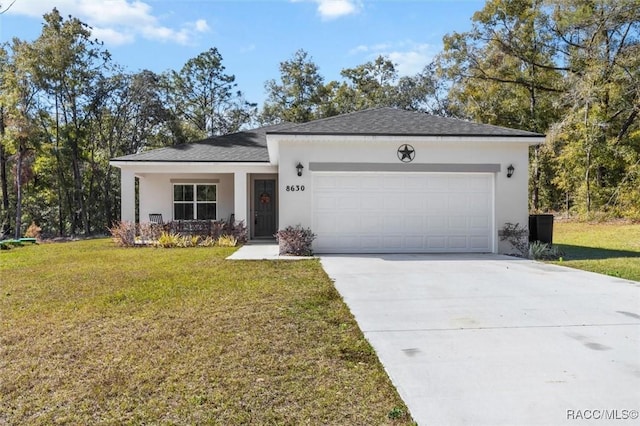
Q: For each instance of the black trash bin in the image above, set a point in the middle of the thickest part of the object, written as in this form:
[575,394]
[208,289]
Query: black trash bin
[541,228]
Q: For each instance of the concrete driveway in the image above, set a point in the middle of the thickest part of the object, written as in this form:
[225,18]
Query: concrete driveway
[489,340]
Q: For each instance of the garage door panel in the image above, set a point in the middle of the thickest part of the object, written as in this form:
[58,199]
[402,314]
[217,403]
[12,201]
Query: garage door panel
[402,212]
[325,225]
[391,202]
[458,184]
[371,182]
[368,224]
[393,182]
[414,182]
[437,204]
[393,224]
[348,203]
[456,204]
[414,224]
[458,224]
[436,224]
[437,184]
[479,242]
[414,204]
[479,223]
[436,243]
[369,202]
[392,242]
[458,243]
[324,181]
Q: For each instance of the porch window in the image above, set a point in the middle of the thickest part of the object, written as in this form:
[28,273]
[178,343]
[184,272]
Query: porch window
[194,201]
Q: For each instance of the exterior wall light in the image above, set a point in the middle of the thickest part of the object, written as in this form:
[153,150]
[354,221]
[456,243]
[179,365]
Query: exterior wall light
[299,168]
[510,170]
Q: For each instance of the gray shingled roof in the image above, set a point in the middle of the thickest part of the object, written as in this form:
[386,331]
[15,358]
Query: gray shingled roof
[251,145]
[396,122]
[247,147]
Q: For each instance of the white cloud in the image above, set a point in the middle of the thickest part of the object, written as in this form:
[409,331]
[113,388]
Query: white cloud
[112,37]
[115,21]
[332,9]
[201,26]
[408,56]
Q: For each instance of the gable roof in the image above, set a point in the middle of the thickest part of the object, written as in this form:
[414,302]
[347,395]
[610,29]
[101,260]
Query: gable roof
[247,146]
[250,146]
[395,122]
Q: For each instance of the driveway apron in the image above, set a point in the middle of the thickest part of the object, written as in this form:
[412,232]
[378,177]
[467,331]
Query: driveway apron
[496,340]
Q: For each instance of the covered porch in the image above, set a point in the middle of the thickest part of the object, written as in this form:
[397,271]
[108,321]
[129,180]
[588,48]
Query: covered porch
[201,191]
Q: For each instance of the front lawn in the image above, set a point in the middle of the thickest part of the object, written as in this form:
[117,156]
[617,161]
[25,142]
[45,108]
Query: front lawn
[92,333]
[607,248]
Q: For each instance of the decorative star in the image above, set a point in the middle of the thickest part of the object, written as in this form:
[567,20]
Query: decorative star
[406,153]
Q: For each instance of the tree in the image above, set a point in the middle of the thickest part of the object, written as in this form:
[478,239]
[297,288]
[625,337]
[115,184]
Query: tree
[17,102]
[206,98]
[67,64]
[503,73]
[298,97]
[422,92]
[567,67]
[5,218]
[373,84]
[599,41]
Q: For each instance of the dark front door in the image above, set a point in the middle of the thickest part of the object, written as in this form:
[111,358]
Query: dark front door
[264,207]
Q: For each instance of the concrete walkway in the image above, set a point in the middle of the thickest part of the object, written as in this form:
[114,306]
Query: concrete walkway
[261,251]
[494,340]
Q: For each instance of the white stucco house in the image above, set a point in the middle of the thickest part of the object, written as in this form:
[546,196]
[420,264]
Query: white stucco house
[376,181]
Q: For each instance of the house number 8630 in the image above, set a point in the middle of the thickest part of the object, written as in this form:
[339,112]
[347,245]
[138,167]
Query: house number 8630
[294,188]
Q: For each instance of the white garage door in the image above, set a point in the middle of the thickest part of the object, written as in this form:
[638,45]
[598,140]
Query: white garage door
[402,212]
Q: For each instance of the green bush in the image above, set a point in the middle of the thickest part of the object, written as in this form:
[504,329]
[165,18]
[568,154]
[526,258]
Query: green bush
[543,251]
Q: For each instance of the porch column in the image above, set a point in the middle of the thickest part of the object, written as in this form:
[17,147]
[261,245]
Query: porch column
[127,195]
[240,196]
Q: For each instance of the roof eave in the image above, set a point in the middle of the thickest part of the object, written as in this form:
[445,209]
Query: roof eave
[121,162]
[531,139]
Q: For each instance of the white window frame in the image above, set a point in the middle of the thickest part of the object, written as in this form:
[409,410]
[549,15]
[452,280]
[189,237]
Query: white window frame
[195,201]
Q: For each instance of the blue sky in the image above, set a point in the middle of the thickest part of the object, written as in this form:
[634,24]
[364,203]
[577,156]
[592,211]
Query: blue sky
[254,36]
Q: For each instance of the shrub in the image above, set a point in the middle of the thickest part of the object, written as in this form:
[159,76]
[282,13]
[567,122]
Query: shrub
[33,231]
[517,236]
[208,242]
[168,240]
[150,231]
[295,241]
[124,233]
[237,230]
[542,251]
[227,241]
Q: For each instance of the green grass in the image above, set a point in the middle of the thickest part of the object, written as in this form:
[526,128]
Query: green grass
[607,248]
[95,334]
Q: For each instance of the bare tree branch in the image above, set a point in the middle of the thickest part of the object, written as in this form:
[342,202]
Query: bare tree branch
[7,8]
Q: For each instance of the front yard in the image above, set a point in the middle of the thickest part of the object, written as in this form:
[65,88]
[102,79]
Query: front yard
[92,333]
[607,248]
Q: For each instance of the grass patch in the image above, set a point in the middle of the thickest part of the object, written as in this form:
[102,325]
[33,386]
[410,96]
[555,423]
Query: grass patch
[92,333]
[607,248]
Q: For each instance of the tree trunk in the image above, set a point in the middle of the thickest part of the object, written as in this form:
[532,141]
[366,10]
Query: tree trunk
[19,192]
[6,220]
[587,178]
[535,201]
[78,193]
